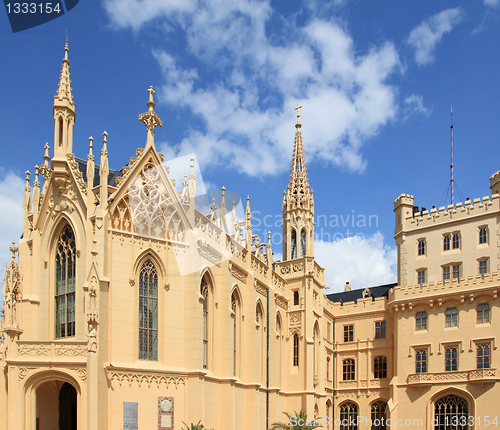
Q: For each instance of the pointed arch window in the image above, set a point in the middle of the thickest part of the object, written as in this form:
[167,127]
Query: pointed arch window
[349,416]
[294,244]
[65,283]
[148,312]
[235,305]
[303,243]
[204,290]
[379,415]
[451,412]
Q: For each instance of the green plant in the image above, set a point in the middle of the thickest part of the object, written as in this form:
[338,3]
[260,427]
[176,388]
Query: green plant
[198,426]
[298,421]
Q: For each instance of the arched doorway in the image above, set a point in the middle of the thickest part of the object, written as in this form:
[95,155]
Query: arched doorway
[56,406]
[451,412]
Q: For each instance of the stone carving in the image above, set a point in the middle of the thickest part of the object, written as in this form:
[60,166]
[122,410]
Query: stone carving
[23,371]
[70,350]
[237,273]
[146,378]
[260,289]
[295,323]
[63,193]
[281,301]
[81,372]
[33,349]
[76,173]
[297,267]
[12,291]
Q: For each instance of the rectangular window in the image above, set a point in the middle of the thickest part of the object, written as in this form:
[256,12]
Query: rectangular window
[446,243]
[295,298]
[421,247]
[451,359]
[456,241]
[456,272]
[483,356]
[483,235]
[421,361]
[483,313]
[380,330]
[451,317]
[483,267]
[421,321]
[421,277]
[349,333]
[348,370]
[446,273]
[380,368]
[296,350]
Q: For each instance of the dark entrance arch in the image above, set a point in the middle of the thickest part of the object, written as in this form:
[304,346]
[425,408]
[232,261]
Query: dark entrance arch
[451,412]
[67,407]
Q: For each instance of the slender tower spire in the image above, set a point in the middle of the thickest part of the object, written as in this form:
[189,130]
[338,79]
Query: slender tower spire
[298,204]
[64,111]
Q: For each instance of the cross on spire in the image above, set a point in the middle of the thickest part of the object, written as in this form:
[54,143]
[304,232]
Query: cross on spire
[150,118]
[298,115]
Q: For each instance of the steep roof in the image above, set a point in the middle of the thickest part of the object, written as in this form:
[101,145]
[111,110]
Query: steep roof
[113,174]
[354,295]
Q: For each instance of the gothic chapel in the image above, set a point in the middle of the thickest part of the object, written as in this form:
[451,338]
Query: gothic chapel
[125,307]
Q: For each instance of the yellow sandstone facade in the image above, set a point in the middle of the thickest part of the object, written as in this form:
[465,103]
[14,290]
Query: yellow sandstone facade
[125,307]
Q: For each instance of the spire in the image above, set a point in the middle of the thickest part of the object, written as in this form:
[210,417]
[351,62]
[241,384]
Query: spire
[90,177]
[27,206]
[298,186]
[248,224]
[36,195]
[223,210]
[150,119]
[298,204]
[64,111]
[104,171]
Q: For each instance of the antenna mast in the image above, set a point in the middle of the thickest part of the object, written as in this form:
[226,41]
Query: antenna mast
[451,165]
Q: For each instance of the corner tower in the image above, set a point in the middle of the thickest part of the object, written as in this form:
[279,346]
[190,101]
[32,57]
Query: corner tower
[64,111]
[298,205]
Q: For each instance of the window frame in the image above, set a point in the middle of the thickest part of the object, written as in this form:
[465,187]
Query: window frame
[482,347]
[421,276]
[481,313]
[451,317]
[451,358]
[422,317]
[483,270]
[380,327]
[148,327]
[456,240]
[348,333]
[380,367]
[483,235]
[296,350]
[447,242]
[421,247]
[349,369]
[421,360]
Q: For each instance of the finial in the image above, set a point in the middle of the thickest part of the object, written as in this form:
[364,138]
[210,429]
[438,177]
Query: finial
[104,142]
[91,145]
[192,166]
[66,48]
[223,199]
[37,172]
[150,118]
[298,115]
[13,249]
[27,177]
[46,156]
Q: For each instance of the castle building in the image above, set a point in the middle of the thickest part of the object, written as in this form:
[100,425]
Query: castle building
[125,307]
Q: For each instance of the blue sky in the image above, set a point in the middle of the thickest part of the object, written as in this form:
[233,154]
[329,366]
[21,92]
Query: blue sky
[376,80]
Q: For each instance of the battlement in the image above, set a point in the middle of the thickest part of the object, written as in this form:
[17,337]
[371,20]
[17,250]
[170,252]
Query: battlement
[495,183]
[450,213]
[439,288]
[403,199]
[361,306]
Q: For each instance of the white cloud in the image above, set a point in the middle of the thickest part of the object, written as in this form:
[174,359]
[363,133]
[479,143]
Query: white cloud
[363,262]
[414,105]
[492,3]
[242,85]
[11,201]
[429,33]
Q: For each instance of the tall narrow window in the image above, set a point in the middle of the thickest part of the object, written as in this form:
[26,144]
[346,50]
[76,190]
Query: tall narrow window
[456,272]
[483,267]
[148,312]
[60,131]
[294,244]
[456,241]
[296,350]
[380,330]
[65,283]
[446,273]
[421,247]
[349,333]
[235,315]
[421,276]
[446,243]
[348,370]
[421,361]
[483,235]
[303,243]
[204,292]
[379,416]
[451,359]
[327,368]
